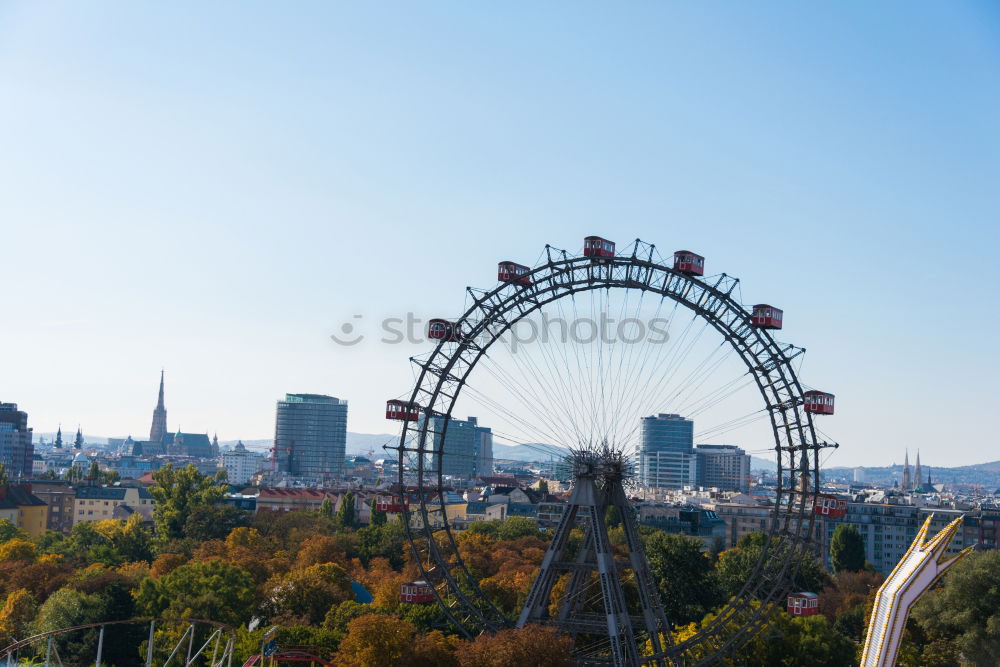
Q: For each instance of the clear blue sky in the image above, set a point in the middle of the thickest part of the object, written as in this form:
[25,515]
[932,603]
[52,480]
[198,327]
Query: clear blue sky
[214,188]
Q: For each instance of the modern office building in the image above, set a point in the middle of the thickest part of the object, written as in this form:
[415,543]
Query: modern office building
[310,436]
[665,457]
[725,467]
[466,450]
[17,450]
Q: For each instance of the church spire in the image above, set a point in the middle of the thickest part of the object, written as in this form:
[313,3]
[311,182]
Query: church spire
[159,402]
[59,442]
[159,428]
[918,474]
[907,484]
[78,441]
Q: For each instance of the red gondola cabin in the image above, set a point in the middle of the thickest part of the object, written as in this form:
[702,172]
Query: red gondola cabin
[597,248]
[512,272]
[818,402]
[390,504]
[803,604]
[766,317]
[416,592]
[830,506]
[688,263]
[401,410]
[438,329]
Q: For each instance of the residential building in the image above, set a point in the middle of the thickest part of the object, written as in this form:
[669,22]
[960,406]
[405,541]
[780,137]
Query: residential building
[23,509]
[97,503]
[665,457]
[241,464]
[310,436]
[17,451]
[60,497]
[724,467]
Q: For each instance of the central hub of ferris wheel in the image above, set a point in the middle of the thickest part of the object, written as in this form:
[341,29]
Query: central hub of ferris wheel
[582,587]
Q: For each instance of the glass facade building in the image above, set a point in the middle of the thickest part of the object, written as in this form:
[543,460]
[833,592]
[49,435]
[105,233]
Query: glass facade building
[665,457]
[467,450]
[17,449]
[310,436]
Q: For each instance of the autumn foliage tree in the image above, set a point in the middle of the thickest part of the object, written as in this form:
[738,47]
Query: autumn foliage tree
[539,646]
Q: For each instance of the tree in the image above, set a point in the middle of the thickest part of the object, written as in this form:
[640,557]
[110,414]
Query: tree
[543,487]
[804,640]
[535,645]
[3,475]
[9,531]
[326,507]
[688,586]
[345,513]
[785,641]
[847,549]
[16,615]
[516,526]
[213,522]
[211,589]
[378,517]
[17,550]
[308,594]
[737,564]
[385,541]
[376,640]
[65,608]
[94,472]
[965,610]
[177,492]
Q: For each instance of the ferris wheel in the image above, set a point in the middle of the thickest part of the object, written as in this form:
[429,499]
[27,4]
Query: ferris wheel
[570,358]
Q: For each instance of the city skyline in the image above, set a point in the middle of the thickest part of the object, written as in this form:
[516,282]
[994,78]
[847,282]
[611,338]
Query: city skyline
[221,211]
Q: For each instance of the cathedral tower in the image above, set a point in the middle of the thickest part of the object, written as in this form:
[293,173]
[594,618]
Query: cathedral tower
[159,428]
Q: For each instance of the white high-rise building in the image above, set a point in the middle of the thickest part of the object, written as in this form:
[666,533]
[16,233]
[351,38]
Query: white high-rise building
[241,464]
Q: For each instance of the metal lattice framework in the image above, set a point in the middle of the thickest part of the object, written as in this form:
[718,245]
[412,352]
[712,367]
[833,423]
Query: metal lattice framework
[214,648]
[443,373]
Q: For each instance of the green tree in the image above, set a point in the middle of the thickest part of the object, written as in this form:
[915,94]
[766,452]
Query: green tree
[177,492]
[326,507]
[377,518]
[688,585]
[543,487]
[847,549]
[793,641]
[94,472]
[308,594]
[965,610]
[736,565]
[65,608]
[213,589]
[214,522]
[385,541]
[514,527]
[345,513]
[3,475]
[786,641]
[8,531]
